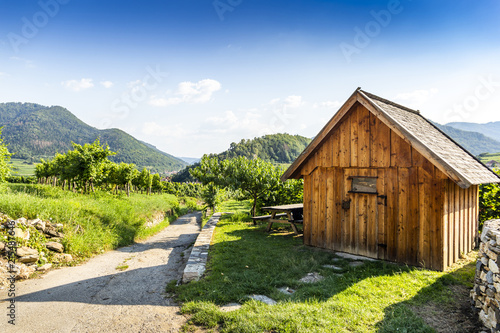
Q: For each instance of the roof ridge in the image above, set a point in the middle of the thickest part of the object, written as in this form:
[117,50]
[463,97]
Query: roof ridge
[390,102]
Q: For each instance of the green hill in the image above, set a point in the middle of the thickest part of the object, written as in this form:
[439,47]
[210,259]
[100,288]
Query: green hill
[474,142]
[35,131]
[276,148]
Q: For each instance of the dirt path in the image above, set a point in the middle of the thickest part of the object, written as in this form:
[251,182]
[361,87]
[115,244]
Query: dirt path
[96,297]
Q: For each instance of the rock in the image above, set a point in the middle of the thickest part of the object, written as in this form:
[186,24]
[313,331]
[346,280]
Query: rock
[286,291]
[38,224]
[52,232]
[33,221]
[18,232]
[332,267]
[353,257]
[58,225]
[263,299]
[489,277]
[24,272]
[230,307]
[2,246]
[62,258]
[28,259]
[22,221]
[26,251]
[54,246]
[356,263]
[311,278]
[492,255]
[493,266]
[44,268]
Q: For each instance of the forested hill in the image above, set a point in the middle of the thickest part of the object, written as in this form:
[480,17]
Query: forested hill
[34,131]
[277,148]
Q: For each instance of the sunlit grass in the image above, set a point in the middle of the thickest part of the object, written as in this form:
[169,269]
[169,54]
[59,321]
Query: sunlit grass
[246,260]
[94,222]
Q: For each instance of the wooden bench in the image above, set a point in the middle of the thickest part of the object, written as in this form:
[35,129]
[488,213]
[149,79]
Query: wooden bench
[265,217]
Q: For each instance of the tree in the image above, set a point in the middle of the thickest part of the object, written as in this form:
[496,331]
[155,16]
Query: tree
[156,184]
[212,195]
[4,159]
[254,178]
[489,202]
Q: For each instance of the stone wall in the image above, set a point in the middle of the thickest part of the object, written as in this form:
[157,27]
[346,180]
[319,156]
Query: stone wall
[486,293]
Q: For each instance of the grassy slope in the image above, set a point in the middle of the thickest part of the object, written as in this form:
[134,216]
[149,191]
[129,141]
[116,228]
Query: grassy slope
[92,223]
[22,167]
[488,157]
[378,296]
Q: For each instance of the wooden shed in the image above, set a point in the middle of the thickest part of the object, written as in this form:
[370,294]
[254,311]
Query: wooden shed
[382,181]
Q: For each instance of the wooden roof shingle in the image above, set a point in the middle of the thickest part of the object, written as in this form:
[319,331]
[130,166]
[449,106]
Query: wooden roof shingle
[451,158]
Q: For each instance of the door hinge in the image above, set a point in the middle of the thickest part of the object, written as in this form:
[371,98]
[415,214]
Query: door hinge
[346,204]
[383,197]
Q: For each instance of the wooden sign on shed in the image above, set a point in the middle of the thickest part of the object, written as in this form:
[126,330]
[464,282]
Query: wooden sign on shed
[382,181]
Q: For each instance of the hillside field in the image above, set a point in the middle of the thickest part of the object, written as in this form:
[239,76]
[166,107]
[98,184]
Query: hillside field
[22,167]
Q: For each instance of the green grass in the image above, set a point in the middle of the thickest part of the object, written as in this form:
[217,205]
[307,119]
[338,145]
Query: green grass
[245,260]
[22,167]
[486,157]
[93,223]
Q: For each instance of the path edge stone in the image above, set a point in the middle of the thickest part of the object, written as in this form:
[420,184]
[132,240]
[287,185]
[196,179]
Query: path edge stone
[197,261]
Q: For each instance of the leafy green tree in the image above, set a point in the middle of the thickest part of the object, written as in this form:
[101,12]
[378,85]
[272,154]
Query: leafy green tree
[126,173]
[145,181]
[212,195]
[489,202]
[254,178]
[88,162]
[156,184]
[4,159]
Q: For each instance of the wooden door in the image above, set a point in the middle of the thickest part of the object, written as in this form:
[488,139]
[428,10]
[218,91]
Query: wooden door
[363,205]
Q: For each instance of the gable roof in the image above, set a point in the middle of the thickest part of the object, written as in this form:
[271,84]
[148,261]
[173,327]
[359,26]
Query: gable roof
[447,155]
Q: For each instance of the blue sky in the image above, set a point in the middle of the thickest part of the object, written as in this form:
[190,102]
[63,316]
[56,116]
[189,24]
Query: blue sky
[192,76]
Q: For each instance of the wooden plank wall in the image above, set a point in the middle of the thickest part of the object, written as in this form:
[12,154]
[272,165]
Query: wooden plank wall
[411,227]
[460,221]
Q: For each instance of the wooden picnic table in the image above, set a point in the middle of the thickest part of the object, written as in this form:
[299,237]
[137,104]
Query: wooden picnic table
[293,214]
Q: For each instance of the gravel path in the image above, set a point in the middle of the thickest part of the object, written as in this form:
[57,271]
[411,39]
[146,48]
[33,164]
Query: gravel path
[96,297]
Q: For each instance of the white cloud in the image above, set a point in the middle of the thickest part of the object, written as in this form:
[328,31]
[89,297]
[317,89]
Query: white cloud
[416,97]
[229,122]
[76,85]
[106,84]
[293,101]
[189,92]
[170,130]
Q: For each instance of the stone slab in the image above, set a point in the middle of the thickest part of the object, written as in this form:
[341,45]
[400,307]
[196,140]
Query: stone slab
[353,256]
[197,262]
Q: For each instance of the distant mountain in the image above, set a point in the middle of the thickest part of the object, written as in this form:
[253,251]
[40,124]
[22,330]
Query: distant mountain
[275,148]
[190,160]
[491,129]
[476,143]
[35,131]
